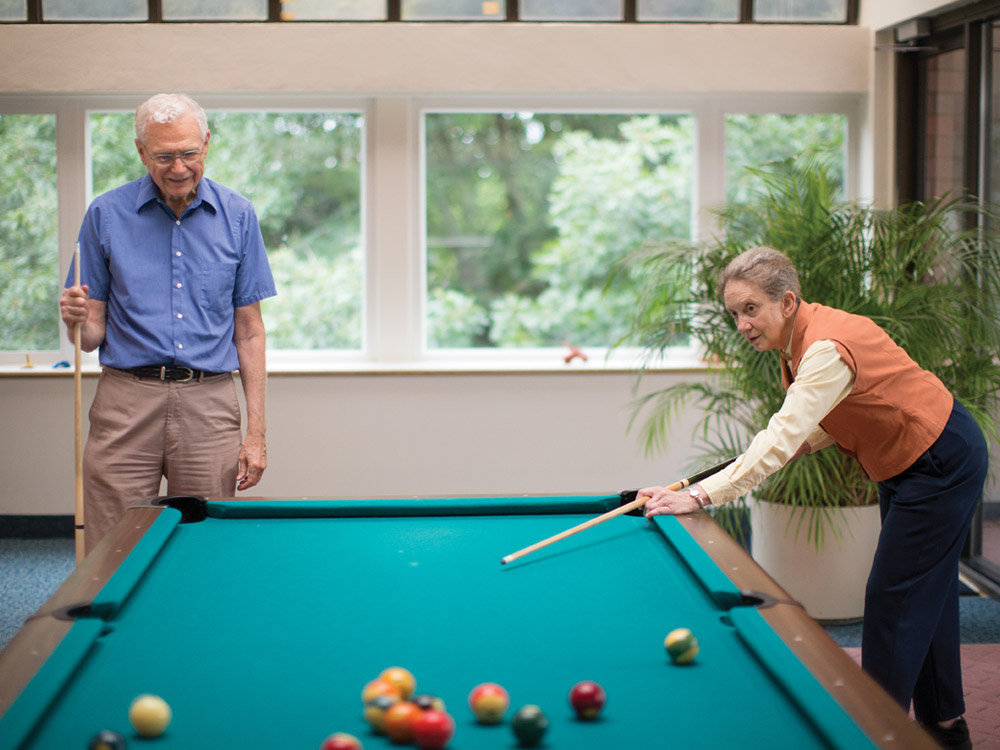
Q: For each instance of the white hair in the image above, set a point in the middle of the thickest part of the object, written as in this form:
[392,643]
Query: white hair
[163,108]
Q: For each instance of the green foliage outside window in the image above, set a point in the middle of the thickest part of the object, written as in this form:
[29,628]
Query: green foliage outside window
[302,171]
[29,257]
[754,140]
[527,213]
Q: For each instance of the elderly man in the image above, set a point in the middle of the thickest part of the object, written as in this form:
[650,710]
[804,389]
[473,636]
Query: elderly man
[173,269]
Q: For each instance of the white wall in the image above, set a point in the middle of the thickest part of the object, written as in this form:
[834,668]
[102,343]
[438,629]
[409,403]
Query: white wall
[386,434]
[433,58]
[880,14]
[419,433]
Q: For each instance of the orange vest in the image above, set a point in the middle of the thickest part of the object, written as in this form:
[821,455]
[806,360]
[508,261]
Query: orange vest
[895,410]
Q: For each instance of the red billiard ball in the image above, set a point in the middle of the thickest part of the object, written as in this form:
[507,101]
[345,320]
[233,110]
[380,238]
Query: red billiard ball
[341,741]
[489,702]
[587,699]
[433,729]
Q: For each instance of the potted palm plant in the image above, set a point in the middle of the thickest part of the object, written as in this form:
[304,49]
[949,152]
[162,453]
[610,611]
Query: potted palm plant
[927,273]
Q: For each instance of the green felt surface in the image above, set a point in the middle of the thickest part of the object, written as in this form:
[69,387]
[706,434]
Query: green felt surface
[261,633]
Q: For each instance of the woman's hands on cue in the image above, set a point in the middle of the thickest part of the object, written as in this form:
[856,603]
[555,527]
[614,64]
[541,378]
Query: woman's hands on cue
[663,501]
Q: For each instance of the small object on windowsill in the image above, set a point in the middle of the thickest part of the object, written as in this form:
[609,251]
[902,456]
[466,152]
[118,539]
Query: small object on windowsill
[574,353]
[57,365]
[27,362]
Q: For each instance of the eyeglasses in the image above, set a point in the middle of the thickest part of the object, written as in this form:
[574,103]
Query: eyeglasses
[187,158]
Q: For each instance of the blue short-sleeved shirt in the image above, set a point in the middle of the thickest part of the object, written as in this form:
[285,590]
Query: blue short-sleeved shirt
[171,284]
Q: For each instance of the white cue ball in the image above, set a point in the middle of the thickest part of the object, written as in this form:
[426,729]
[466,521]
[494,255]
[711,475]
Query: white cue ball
[149,715]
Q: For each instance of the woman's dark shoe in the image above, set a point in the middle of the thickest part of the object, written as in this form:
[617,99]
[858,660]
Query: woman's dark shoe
[955,737]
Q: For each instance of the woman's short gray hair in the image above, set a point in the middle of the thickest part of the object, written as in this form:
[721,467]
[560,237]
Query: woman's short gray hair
[163,108]
[764,266]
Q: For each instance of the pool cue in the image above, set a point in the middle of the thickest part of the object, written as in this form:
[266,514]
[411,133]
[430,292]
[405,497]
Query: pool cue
[637,503]
[78,419]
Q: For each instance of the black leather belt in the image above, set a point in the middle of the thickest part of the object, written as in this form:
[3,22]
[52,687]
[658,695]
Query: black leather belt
[175,373]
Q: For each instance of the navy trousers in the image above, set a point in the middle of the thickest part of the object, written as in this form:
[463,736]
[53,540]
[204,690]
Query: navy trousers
[910,638]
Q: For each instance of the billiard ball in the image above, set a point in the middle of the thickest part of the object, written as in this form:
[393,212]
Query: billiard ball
[378,687]
[426,702]
[399,720]
[529,725]
[401,678]
[107,740]
[681,645]
[489,702]
[375,711]
[433,729]
[587,699]
[149,715]
[341,741]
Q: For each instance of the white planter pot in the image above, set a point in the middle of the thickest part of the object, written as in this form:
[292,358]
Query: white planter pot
[829,582]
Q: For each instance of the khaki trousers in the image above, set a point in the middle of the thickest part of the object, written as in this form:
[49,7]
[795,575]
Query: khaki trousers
[142,430]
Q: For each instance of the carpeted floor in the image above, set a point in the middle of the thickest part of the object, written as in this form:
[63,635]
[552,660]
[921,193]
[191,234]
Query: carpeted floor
[30,571]
[980,623]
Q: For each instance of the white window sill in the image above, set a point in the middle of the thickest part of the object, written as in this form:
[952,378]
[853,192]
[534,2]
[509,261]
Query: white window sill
[453,362]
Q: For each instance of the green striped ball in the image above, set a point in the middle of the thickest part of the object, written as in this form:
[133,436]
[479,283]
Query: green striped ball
[681,645]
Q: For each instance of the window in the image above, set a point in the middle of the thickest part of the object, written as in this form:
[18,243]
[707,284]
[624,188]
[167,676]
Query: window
[217,10]
[662,11]
[689,10]
[801,11]
[571,10]
[13,10]
[483,236]
[109,10]
[752,140]
[454,10]
[29,270]
[527,213]
[302,171]
[333,10]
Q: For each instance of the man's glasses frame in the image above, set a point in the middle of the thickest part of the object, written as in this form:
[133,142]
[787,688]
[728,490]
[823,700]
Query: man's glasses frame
[188,158]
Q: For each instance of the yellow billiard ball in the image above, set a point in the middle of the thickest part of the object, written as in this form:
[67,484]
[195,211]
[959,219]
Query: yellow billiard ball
[489,702]
[149,715]
[402,678]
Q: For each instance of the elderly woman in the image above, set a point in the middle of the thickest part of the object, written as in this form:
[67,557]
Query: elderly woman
[847,383]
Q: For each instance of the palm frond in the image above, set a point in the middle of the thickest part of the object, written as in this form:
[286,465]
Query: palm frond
[927,273]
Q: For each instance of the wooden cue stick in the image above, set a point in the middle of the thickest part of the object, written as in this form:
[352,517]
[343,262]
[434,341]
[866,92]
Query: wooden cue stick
[637,503]
[78,420]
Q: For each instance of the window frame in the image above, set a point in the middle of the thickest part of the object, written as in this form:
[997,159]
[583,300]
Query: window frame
[393,211]
[393,13]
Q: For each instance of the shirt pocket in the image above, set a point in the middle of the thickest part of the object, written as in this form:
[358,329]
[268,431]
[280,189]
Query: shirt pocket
[216,282]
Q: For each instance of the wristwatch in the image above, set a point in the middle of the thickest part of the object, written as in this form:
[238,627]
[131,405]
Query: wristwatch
[699,498]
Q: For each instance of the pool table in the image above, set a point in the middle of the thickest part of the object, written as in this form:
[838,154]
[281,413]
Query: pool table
[260,621]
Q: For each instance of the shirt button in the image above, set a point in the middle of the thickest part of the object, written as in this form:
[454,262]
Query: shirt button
[180,346]
[178,222]
[179,315]
[178,253]
[179,285]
